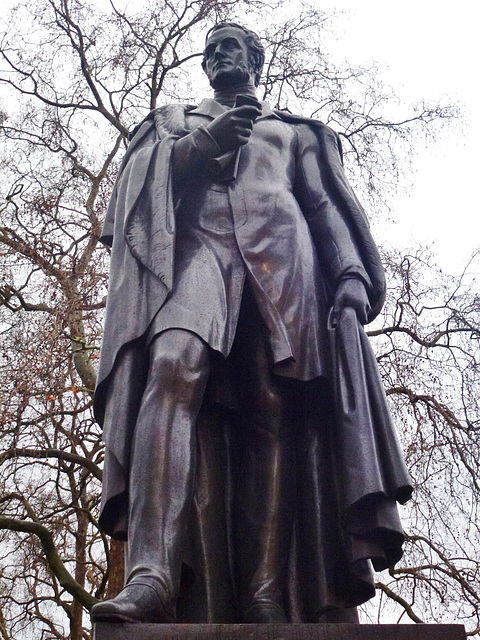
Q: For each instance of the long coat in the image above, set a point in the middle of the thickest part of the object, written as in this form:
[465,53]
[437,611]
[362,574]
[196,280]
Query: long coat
[346,518]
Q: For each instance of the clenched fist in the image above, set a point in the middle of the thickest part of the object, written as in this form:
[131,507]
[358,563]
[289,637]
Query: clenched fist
[352,293]
[233,128]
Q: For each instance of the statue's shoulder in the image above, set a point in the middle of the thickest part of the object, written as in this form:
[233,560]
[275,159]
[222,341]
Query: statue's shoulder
[293,118]
[325,135]
[169,117]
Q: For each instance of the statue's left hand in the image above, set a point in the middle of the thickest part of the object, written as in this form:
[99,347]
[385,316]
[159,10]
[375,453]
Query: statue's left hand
[352,293]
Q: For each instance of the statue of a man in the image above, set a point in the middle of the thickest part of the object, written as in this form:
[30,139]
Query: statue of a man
[244,494]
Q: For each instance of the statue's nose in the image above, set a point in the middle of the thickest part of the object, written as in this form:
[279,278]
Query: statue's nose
[219,54]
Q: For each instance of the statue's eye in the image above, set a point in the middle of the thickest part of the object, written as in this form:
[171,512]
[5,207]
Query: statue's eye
[210,50]
[231,43]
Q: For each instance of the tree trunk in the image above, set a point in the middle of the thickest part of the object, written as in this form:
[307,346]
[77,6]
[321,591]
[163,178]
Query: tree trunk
[116,565]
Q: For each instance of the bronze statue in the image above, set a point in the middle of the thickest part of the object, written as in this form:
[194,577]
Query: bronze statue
[250,458]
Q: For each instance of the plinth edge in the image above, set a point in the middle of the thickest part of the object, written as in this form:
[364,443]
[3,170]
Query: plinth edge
[106,631]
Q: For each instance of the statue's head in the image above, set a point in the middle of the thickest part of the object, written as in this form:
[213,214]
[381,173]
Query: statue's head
[233,56]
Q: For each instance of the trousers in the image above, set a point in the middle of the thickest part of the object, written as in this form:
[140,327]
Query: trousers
[163,463]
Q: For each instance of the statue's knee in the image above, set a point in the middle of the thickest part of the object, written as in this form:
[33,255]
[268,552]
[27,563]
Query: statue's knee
[267,412]
[178,359]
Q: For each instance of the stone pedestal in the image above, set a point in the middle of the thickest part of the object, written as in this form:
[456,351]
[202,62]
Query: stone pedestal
[278,632]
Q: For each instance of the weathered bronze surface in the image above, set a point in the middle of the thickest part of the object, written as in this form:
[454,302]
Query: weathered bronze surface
[250,457]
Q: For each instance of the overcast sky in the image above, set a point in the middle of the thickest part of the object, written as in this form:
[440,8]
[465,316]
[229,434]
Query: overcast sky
[428,50]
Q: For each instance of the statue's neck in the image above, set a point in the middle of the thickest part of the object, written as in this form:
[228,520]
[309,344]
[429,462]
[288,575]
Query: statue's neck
[227,96]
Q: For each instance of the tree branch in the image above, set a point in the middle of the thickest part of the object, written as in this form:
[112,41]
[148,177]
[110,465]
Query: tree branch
[394,596]
[54,561]
[66,456]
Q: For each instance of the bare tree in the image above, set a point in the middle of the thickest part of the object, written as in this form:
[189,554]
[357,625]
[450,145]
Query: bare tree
[75,80]
[428,348]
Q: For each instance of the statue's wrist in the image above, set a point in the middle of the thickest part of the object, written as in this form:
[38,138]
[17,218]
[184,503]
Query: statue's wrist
[206,143]
[359,277]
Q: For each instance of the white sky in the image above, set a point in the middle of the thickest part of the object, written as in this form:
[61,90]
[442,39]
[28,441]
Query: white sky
[427,50]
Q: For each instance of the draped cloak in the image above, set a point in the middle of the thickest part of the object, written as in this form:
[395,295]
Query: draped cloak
[350,471]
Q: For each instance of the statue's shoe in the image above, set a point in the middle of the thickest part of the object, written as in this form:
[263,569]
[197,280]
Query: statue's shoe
[264,613]
[137,602]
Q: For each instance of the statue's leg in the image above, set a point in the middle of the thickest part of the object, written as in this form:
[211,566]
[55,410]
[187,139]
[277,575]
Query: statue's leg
[266,480]
[161,478]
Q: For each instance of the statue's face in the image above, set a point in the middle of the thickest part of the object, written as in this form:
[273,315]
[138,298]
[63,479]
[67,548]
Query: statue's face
[226,59]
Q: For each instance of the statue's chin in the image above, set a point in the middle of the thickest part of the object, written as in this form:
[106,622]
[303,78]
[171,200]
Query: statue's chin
[229,79]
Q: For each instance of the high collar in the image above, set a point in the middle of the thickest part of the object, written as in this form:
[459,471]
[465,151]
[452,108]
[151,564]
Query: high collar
[211,108]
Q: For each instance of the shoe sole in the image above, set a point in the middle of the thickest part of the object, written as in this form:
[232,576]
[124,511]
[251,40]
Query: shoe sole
[113,618]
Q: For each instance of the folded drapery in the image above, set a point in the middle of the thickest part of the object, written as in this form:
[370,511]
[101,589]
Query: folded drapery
[369,466]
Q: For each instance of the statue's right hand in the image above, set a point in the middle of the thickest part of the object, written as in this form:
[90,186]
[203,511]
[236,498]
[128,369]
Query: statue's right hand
[234,127]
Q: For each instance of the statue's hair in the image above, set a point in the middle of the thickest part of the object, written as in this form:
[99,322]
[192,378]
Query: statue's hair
[256,51]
